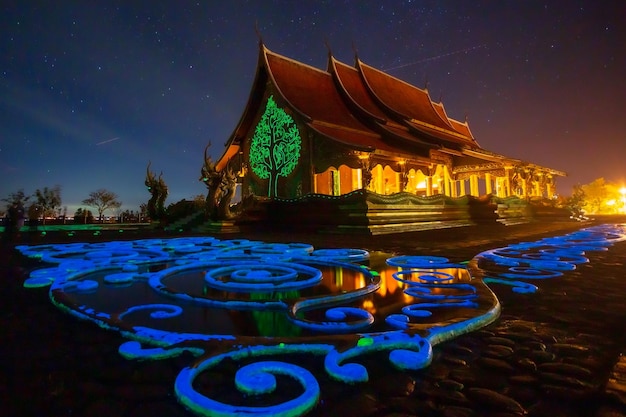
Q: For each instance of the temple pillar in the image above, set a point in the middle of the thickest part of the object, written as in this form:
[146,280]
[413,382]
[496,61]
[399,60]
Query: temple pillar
[507,181]
[538,190]
[446,182]
[488,185]
[463,192]
[501,190]
[549,190]
[474,185]
[429,186]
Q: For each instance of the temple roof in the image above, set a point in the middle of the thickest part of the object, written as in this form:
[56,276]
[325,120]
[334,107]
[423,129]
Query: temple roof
[314,94]
[360,107]
[407,101]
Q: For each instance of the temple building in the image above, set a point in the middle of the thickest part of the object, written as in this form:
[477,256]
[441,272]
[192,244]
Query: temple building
[307,131]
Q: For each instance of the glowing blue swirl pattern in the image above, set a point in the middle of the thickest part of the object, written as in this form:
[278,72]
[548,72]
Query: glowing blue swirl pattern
[169,296]
[546,258]
[262,276]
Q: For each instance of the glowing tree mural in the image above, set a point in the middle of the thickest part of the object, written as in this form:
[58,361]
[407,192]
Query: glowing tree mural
[275,146]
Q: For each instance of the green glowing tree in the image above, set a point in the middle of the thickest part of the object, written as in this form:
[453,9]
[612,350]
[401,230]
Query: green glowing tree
[275,146]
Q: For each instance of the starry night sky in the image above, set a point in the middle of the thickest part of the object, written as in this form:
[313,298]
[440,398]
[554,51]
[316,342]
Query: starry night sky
[91,91]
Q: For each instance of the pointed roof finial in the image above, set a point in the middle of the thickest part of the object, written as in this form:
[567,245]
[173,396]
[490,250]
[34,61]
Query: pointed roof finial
[258,32]
[330,52]
[466,116]
[356,52]
[426,82]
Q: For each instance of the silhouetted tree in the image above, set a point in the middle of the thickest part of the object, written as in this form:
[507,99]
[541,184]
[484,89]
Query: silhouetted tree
[102,199]
[18,198]
[576,201]
[48,200]
[16,203]
[595,195]
[129,216]
[83,216]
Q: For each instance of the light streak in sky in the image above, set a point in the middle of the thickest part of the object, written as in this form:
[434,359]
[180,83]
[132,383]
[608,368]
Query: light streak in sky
[432,58]
[108,140]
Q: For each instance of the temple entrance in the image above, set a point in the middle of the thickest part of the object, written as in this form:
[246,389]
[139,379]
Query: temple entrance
[335,181]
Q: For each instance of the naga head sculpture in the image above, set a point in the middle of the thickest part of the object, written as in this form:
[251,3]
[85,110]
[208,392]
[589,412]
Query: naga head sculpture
[150,179]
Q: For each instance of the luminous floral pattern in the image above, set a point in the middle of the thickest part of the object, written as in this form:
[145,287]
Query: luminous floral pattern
[273,307]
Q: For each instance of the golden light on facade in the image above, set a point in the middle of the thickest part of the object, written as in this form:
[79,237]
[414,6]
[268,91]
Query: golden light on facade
[368,305]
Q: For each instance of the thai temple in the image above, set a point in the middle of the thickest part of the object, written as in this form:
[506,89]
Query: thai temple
[356,135]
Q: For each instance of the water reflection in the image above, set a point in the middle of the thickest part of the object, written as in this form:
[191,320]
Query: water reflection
[187,295]
[221,305]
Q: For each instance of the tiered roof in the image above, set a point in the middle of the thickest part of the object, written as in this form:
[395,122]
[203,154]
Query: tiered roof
[360,107]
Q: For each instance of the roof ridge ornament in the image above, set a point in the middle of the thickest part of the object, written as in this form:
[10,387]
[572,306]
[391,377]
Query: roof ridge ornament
[330,51]
[258,32]
[356,52]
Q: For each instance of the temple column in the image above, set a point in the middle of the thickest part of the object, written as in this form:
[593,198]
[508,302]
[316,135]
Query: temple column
[507,181]
[501,187]
[488,185]
[549,190]
[538,190]
[454,187]
[463,192]
[446,182]
[474,185]
[429,186]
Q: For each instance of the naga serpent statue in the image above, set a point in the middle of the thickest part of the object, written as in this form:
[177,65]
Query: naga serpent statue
[152,185]
[212,180]
[161,196]
[158,191]
[228,185]
[221,187]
